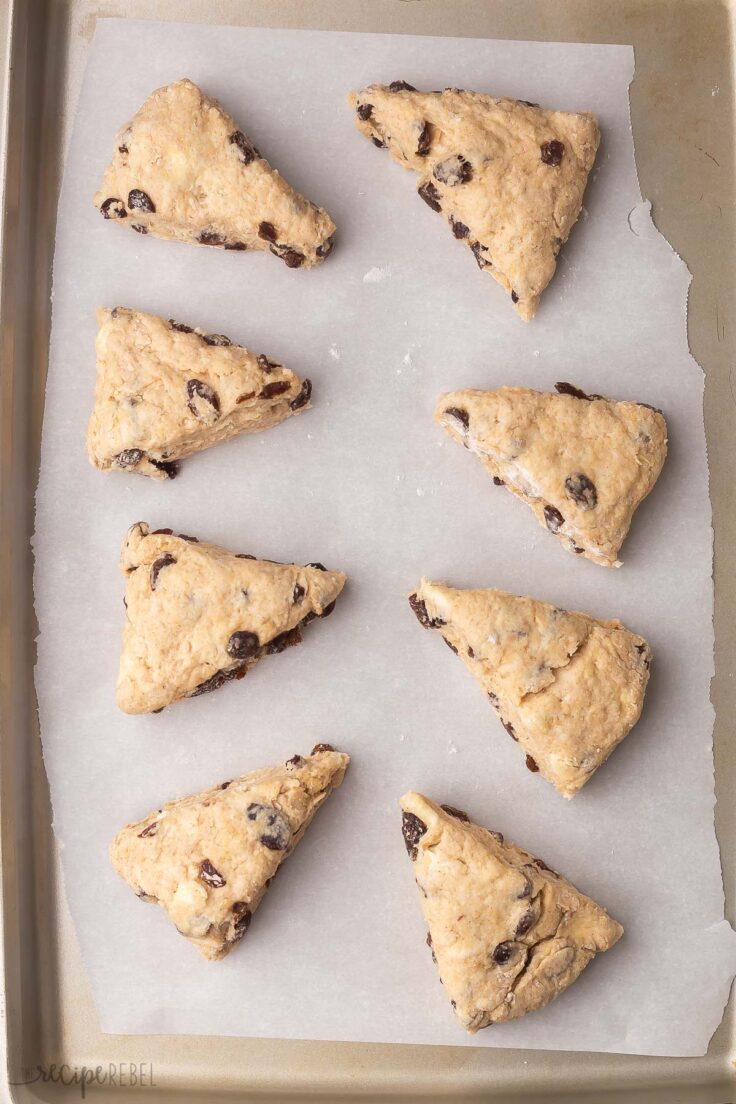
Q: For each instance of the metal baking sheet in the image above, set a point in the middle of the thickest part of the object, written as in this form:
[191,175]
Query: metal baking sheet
[682,129]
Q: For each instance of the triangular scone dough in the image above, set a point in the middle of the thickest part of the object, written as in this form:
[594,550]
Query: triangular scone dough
[198,615]
[165,390]
[508,176]
[567,687]
[507,933]
[208,859]
[583,463]
[183,170]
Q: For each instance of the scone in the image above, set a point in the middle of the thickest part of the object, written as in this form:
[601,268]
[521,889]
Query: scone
[165,390]
[582,462]
[507,933]
[567,687]
[197,615]
[208,859]
[508,176]
[183,170]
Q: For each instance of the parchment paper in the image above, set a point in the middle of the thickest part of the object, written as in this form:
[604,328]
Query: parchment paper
[367,483]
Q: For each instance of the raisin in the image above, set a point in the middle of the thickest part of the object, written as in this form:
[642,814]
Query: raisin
[327,610]
[241,246]
[169,467]
[499,482]
[158,565]
[503,953]
[267,231]
[459,229]
[243,917]
[196,389]
[570,389]
[450,645]
[140,201]
[274,828]
[162,532]
[420,612]
[326,247]
[214,682]
[471,653]
[365,111]
[244,556]
[243,645]
[292,258]
[298,594]
[413,829]
[246,397]
[525,891]
[430,195]
[284,640]
[180,327]
[317,566]
[377,142]
[295,761]
[245,149]
[459,415]
[185,537]
[509,728]
[424,143]
[457,813]
[453,171]
[128,458]
[113,208]
[514,296]
[265,364]
[123,148]
[552,152]
[531,764]
[150,830]
[218,340]
[541,865]
[401,86]
[319,748]
[224,785]
[581,490]
[553,518]
[138,228]
[527,103]
[303,397]
[272,389]
[482,261]
[210,237]
[210,875]
[524,924]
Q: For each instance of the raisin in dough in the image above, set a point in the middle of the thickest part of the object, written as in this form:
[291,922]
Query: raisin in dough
[507,933]
[197,615]
[583,463]
[165,390]
[508,176]
[208,859]
[182,170]
[567,687]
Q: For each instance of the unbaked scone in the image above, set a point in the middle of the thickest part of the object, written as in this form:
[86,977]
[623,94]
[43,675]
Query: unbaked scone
[208,859]
[183,170]
[507,933]
[582,462]
[197,615]
[566,686]
[507,175]
[165,390]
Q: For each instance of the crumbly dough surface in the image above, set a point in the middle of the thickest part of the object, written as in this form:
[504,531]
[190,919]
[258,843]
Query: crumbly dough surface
[508,176]
[183,170]
[197,615]
[507,933]
[583,463]
[208,859]
[567,687]
[165,390]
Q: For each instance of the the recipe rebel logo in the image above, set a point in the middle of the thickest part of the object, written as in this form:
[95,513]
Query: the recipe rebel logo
[120,1075]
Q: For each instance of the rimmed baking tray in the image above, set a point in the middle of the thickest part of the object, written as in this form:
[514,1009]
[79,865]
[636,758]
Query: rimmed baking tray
[682,102]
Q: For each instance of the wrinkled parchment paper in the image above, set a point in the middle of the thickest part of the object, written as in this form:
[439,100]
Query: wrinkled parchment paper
[367,483]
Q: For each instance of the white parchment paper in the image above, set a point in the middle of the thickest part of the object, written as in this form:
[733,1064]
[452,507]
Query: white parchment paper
[367,483]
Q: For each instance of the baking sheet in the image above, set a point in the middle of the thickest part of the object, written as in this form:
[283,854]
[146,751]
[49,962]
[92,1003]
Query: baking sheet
[365,482]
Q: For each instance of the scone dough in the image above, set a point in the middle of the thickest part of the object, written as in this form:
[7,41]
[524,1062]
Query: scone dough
[508,176]
[165,390]
[183,170]
[582,462]
[567,687]
[507,933]
[208,859]
[197,615]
